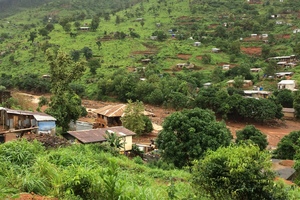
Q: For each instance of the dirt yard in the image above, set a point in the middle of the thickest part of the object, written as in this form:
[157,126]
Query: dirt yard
[184,56]
[251,50]
[274,131]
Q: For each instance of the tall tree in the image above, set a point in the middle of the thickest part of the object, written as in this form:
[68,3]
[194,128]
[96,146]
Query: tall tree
[188,134]
[133,117]
[95,23]
[64,105]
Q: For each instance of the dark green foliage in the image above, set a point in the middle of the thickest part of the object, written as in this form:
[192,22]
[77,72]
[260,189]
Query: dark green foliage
[32,82]
[114,140]
[95,23]
[148,124]
[32,36]
[94,64]
[296,104]
[87,52]
[288,146]
[161,36]
[285,98]
[254,135]
[188,134]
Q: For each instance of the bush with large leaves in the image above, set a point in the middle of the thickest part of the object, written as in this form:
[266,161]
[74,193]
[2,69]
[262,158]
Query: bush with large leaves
[237,172]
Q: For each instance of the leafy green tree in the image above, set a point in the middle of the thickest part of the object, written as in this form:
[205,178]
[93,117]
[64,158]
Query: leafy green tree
[253,134]
[296,103]
[188,134]
[288,146]
[237,172]
[94,64]
[161,36]
[148,124]
[217,75]
[87,52]
[95,23]
[32,36]
[239,81]
[133,117]
[65,105]
[285,98]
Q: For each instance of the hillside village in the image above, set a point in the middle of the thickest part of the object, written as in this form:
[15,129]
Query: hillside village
[187,86]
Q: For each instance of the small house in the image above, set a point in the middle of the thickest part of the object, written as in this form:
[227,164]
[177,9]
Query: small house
[288,113]
[110,116]
[84,28]
[153,37]
[247,83]
[99,135]
[257,94]
[197,44]
[207,85]
[255,70]
[185,65]
[215,50]
[284,74]
[287,84]
[16,123]
[296,30]
[225,67]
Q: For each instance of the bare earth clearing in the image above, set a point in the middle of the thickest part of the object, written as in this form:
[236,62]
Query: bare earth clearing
[274,131]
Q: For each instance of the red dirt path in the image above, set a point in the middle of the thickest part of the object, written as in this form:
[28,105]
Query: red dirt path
[251,50]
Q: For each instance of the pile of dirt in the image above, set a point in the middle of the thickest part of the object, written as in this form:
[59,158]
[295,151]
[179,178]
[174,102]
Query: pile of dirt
[251,50]
[48,140]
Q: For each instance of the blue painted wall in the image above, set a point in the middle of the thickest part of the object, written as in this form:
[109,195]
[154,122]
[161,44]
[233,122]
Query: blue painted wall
[46,126]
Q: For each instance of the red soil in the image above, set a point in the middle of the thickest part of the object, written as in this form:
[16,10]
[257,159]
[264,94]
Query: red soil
[184,56]
[251,50]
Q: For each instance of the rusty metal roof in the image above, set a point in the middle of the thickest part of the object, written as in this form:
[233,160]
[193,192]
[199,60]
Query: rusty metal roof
[37,115]
[98,135]
[112,110]
[116,111]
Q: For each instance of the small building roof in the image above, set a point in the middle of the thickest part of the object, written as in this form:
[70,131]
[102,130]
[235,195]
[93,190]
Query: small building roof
[37,115]
[98,135]
[112,110]
[284,73]
[286,82]
[116,111]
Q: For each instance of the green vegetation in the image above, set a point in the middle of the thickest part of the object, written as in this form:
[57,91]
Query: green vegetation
[250,133]
[237,172]
[288,146]
[188,134]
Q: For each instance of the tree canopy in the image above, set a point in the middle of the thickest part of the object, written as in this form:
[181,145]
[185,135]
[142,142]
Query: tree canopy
[254,135]
[288,146]
[188,134]
[65,105]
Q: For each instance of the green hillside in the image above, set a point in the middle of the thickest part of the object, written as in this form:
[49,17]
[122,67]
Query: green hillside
[123,39]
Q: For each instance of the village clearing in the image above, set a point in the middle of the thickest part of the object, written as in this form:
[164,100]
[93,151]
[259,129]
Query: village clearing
[274,130]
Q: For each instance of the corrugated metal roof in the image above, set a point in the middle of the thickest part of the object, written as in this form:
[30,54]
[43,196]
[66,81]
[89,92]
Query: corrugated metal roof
[288,110]
[37,115]
[98,135]
[112,110]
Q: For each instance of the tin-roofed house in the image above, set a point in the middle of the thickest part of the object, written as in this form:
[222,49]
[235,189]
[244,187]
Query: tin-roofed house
[109,116]
[287,84]
[99,135]
[16,123]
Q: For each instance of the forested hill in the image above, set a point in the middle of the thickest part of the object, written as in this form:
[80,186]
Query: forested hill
[10,7]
